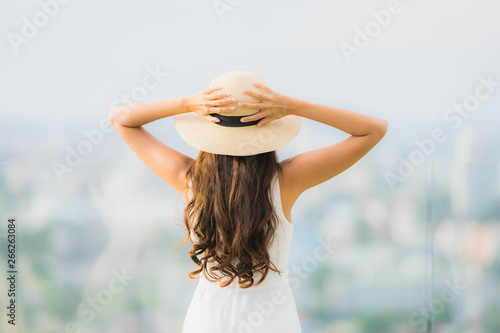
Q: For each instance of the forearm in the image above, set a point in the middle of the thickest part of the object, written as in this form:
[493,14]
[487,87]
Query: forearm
[138,114]
[351,122]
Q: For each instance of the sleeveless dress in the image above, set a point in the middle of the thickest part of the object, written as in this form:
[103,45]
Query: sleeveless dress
[266,308]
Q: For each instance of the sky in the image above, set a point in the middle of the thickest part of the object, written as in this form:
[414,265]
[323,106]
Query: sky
[64,65]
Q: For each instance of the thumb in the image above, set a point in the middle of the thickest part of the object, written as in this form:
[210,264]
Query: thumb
[211,119]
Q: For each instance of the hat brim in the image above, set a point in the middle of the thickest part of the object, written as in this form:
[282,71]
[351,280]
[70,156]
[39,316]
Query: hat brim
[237,141]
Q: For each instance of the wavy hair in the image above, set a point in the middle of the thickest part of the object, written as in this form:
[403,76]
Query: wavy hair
[231,213]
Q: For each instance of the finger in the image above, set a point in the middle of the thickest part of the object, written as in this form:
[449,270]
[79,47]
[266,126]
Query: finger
[219,109]
[254,94]
[212,119]
[255,116]
[262,86]
[252,105]
[218,96]
[220,102]
[211,90]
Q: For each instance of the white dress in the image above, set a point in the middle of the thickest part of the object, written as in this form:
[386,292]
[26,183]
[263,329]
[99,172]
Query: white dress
[266,308]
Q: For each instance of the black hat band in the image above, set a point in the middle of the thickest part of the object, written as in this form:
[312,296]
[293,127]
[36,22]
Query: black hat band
[233,121]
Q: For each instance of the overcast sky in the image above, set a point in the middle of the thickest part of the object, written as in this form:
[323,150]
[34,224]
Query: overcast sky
[64,65]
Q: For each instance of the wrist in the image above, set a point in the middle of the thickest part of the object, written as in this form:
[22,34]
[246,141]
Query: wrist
[186,104]
[295,106]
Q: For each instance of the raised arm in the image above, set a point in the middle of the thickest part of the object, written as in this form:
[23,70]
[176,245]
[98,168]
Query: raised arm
[169,164]
[314,167]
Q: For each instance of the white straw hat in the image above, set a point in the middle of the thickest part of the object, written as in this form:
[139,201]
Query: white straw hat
[230,136]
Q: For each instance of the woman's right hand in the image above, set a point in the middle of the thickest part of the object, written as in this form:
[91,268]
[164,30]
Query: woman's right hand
[272,106]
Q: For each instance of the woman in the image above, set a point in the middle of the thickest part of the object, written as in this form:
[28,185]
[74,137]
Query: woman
[239,196]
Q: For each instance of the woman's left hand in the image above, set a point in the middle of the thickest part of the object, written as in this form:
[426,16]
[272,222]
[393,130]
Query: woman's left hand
[204,103]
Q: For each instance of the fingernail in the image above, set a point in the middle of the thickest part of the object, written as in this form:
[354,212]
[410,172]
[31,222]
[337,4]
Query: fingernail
[234,99]
[228,94]
[239,104]
[244,90]
[243,120]
[232,107]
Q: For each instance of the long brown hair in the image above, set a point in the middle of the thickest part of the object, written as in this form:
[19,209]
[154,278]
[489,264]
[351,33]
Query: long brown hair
[231,214]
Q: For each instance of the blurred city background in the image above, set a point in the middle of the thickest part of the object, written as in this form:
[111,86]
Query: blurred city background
[416,221]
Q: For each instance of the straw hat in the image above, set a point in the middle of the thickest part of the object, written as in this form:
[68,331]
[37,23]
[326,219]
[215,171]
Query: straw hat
[230,136]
